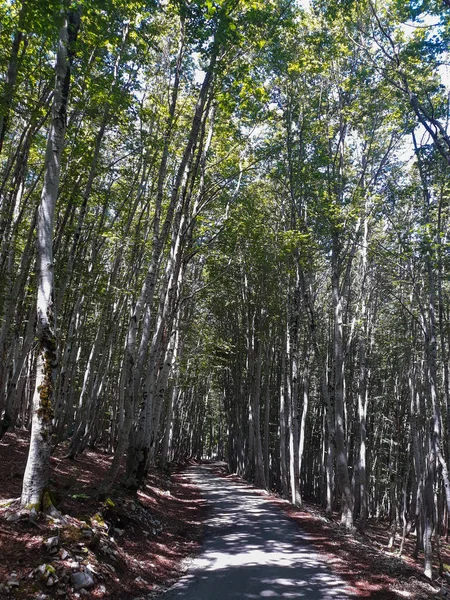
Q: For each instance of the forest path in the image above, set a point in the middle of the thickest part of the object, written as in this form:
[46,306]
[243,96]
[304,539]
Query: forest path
[252,550]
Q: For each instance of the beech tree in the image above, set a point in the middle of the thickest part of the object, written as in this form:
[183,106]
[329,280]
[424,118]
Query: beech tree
[36,475]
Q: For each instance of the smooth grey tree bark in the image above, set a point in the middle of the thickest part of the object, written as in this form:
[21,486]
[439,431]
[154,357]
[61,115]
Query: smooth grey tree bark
[338,355]
[260,479]
[283,429]
[293,378]
[35,481]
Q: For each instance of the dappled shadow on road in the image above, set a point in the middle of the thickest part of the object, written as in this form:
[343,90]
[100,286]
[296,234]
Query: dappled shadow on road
[367,572]
[257,582]
[252,551]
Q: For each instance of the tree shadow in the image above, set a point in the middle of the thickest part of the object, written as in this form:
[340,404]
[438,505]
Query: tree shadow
[252,551]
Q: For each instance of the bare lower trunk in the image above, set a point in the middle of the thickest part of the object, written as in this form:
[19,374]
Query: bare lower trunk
[260,479]
[341,451]
[168,434]
[283,442]
[267,419]
[301,443]
[428,517]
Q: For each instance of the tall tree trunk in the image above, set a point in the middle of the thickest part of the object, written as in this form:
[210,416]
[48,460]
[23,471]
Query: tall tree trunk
[283,419]
[268,363]
[338,355]
[362,383]
[301,443]
[293,422]
[260,479]
[35,481]
[168,434]
[431,340]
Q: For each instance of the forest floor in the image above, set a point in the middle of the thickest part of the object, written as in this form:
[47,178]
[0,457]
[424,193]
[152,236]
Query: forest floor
[129,547]
[125,547]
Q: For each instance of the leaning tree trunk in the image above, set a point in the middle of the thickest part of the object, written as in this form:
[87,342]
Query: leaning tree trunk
[176,201]
[36,475]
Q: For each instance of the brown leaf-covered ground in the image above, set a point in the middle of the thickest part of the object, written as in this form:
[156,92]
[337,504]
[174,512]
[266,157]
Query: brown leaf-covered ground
[137,546]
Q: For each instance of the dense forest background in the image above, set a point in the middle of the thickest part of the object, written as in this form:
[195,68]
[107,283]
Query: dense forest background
[224,232]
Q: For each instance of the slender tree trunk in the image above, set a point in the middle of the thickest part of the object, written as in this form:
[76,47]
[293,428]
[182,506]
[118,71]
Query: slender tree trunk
[146,297]
[294,437]
[135,358]
[260,479]
[362,384]
[283,419]
[428,516]
[11,306]
[341,451]
[267,417]
[168,434]
[301,444]
[13,390]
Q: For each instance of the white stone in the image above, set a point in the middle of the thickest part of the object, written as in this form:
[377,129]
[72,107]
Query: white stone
[52,542]
[12,518]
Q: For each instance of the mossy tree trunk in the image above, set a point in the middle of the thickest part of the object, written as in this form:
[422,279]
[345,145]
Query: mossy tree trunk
[35,481]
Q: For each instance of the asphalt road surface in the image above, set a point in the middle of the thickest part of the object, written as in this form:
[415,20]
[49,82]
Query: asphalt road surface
[251,550]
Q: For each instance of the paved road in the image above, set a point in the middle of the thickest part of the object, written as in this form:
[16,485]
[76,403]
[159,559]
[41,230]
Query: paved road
[251,550]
